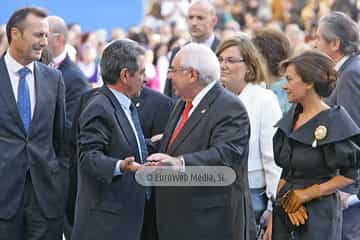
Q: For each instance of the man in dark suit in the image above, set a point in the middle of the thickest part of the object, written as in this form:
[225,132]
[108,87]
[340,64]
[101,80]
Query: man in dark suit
[110,204]
[201,20]
[34,172]
[209,126]
[75,84]
[338,37]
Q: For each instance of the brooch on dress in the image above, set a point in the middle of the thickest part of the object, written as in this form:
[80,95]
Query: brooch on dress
[319,134]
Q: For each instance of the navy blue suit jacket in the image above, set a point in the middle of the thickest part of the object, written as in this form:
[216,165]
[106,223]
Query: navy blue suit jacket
[107,207]
[40,152]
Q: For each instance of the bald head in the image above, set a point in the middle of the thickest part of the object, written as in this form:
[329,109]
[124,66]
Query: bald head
[58,35]
[57,25]
[201,20]
[205,5]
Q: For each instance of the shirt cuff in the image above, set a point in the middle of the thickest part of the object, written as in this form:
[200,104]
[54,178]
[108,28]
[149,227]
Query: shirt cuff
[182,162]
[352,200]
[117,170]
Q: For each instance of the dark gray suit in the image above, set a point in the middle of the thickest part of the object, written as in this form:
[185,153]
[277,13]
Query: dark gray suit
[39,153]
[216,134]
[107,207]
[347,94]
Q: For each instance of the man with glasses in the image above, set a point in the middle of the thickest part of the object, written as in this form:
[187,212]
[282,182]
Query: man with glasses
[208,127]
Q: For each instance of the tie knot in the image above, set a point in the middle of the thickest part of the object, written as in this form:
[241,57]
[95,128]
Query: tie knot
[188,106]
[23,72]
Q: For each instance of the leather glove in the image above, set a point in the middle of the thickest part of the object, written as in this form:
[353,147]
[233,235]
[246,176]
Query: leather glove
[296,198]
[299,217]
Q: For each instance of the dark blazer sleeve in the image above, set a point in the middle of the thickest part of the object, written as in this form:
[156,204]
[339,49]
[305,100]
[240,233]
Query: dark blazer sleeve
[76,85]
[94,137]
[60,122]
[229,140]
[348,86]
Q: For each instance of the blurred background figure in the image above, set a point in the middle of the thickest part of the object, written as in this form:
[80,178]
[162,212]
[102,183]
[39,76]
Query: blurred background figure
[274,47]
[3,40]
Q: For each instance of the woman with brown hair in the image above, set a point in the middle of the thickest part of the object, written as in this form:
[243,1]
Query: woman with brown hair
[317,156]
[242,72]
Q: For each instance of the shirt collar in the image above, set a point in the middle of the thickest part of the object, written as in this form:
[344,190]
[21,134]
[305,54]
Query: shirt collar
[124,101]
[208,42]
[246,91]
[13,66]
[59,59]
[197,99]
[341,62]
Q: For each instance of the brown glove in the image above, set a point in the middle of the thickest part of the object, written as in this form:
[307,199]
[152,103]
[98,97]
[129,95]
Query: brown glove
[299,217]
[296,198]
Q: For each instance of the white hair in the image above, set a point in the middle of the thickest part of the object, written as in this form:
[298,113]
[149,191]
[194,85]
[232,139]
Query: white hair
[202,59]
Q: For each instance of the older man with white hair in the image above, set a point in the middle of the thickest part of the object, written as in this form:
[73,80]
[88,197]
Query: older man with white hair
[209,126]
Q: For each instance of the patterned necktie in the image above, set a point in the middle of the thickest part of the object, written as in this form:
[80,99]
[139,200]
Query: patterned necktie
[183,119]
[23,101]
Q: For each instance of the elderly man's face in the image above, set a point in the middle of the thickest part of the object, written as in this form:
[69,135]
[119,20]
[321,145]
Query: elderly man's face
[180,78]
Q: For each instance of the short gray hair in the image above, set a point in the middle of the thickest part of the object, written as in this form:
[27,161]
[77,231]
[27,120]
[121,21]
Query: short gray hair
[203,60]
[339,26]
[118,55]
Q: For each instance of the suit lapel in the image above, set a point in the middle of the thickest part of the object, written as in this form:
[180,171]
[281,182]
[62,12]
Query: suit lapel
[7,93]
[122,119]
[173,120]
[214,44]
[200,111]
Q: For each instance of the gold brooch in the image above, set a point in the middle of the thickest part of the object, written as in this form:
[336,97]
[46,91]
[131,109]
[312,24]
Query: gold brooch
[319,134]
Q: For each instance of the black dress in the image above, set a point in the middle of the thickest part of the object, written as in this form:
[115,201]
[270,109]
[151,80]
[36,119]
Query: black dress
[336,153]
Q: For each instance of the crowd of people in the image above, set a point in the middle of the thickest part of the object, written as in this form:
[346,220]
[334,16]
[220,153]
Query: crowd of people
[267,89]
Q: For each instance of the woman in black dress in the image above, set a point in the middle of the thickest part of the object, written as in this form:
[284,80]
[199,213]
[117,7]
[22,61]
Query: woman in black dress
[317,147]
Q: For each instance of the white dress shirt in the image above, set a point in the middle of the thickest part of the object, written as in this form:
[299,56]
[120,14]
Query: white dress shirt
[59,59]
[264,112]
[13,67]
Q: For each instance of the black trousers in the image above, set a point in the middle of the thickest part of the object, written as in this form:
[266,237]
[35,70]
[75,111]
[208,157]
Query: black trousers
[351,223]
[30,223]
[149,230]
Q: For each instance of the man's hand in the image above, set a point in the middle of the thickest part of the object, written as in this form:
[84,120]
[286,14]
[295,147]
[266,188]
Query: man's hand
[161,159]
[156,137]
[129,164]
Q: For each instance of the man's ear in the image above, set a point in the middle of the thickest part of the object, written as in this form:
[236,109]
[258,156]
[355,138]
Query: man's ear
[335,45]
[15,33]
[124,75]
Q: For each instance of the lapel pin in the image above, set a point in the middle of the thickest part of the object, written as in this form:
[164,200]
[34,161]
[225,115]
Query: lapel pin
[137,104]
[319,134]
[203,111]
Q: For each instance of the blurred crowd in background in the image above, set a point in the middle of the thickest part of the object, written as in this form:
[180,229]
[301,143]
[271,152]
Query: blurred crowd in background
[164,28]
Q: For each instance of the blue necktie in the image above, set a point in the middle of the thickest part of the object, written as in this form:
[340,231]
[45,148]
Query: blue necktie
[23,101]
[136,121]
[143,148]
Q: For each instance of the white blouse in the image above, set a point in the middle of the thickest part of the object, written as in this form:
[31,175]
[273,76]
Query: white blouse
[264,112]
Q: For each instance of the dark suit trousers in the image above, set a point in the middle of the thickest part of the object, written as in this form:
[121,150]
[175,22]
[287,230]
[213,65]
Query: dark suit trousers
[149,230]
[351,223]
[29,223]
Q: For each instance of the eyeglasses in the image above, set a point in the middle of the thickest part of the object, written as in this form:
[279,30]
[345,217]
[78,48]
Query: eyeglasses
[174,70]
[230,60]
